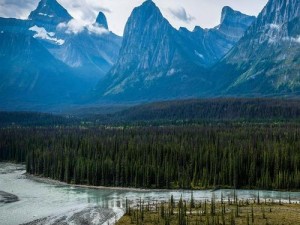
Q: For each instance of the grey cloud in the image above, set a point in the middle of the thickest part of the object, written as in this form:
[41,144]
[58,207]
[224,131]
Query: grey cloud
[17,8]
[102,9]
[18,2]
[84,10]
[96,7]
[181,14]
[75,5]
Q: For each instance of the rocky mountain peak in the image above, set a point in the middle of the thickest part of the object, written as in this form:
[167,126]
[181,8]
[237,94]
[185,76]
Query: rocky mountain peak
[279,11]
[101,20]
[143,21]
[148,3]
[230,16]
[277,23]
[227,13]
[146,11]
[198,29]
[50,11]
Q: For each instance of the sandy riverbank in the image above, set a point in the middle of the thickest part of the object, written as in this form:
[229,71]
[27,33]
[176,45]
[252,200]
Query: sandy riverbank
[8,197]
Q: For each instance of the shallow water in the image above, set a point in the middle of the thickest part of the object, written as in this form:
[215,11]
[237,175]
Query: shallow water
[38,200]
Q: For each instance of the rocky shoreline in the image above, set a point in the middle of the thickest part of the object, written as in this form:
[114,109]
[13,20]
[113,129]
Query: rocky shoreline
[87,216]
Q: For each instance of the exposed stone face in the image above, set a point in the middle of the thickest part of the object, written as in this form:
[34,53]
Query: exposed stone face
[234,24]
[266,59]
[154,54]
[101,20]
[213,44]
[50,12]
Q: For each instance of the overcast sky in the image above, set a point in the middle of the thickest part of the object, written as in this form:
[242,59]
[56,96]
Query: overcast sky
[186,13]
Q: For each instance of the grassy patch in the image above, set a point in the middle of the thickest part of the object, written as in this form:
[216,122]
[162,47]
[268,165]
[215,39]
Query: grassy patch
[236,212]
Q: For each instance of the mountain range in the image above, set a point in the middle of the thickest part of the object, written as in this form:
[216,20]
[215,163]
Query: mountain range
[49,60]
[156,61]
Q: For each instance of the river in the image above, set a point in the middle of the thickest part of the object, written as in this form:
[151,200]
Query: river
[27,201]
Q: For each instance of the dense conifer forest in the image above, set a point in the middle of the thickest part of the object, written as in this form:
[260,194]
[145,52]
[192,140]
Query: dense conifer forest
[203,144]
[212,109]
[27,119]
[167,112]
[190,156]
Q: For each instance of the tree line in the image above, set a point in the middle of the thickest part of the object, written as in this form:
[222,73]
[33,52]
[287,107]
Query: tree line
[220,109]
[168,112]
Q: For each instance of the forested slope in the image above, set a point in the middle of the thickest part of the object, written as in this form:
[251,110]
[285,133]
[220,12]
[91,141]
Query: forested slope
[239,143]
[212,110]
[174,112]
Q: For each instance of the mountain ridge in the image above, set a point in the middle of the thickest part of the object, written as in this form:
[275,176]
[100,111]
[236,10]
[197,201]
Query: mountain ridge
[101,20]
[49,11]
[259,63]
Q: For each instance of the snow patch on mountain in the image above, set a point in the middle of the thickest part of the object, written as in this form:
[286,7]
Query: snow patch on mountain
[171,72]
[75,27]
[274,26]
[293,39]
[43,34]
[297,39]
[43,14]
[273,32]
[199,55]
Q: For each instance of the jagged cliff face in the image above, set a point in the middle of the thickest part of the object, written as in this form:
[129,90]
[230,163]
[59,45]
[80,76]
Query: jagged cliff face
[278,12]
[157,58]
[151,53]
[233,26]
[90,51]
[49,12]
[275,24]
[212,44]
[266,60]
[147,35]
[101,20]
